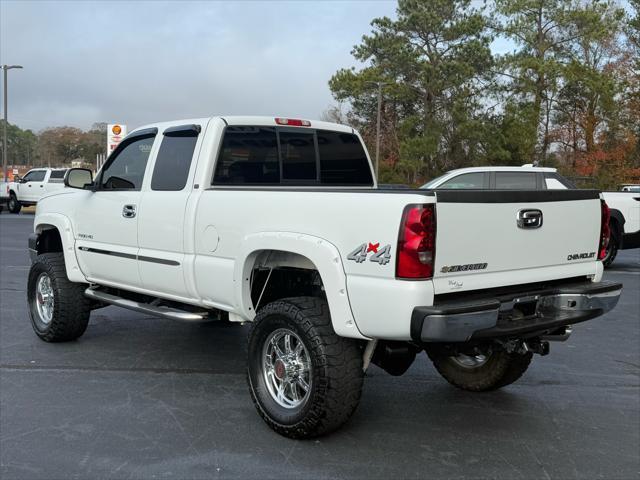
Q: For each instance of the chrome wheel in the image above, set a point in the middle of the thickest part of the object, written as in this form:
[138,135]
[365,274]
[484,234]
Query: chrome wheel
[470,361]
[44,298]
[286,368]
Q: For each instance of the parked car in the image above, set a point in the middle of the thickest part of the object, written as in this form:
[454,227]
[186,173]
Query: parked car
[630,188]
[36,184]
[278,222]
[624,207]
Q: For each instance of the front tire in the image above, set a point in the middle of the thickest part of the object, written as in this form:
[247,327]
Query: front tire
[58,309]
[480,373]
[304,380]
[14,205]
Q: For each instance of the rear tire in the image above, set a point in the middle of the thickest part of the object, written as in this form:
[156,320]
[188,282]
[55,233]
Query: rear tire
[14,205]
[277,382]
[614,245]
[58,309]
[496,370]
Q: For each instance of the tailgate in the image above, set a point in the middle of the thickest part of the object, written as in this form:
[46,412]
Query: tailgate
[490,238]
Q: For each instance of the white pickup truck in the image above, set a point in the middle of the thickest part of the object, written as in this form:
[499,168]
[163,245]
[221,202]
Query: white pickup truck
[624,207]
[37,183]
[278,222]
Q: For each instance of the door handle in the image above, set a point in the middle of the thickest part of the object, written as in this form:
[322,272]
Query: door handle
[129,211]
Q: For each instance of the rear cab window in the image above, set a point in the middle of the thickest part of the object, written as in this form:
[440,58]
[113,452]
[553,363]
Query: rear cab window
[255,155]
[57,176]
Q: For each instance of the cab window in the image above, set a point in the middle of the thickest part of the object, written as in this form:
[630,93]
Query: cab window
[125,168]
[35,176]
[173,162]
[467,181]
[516,181]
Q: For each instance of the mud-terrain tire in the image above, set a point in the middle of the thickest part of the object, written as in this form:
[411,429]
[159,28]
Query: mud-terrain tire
[612,247]
[498,370]
[333,373]
[14,205]
[58,309]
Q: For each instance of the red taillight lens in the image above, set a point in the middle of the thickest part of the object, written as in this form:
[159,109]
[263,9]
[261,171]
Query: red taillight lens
[417,242]
[605,230]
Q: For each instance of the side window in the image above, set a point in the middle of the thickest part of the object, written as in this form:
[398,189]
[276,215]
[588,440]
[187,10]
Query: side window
[172,165]
[465,181]
[342,159]
[57,176]
[515,181]
[35,176]
[125,168]
[298,152]
[248,155]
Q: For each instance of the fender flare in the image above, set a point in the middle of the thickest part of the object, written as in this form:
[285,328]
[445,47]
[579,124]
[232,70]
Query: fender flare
[619,218]
[62,223]
[324,256]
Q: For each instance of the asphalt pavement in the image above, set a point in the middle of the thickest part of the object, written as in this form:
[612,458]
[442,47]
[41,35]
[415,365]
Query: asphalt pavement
[142,397]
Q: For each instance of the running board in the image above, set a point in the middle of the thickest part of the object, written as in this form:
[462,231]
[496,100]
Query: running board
[156,310]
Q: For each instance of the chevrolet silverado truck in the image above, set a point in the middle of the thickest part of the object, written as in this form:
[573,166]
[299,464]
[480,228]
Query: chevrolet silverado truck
[624,206]
[36,184]
[279,222]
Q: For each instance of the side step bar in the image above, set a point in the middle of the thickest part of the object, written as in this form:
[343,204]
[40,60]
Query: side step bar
[149,308]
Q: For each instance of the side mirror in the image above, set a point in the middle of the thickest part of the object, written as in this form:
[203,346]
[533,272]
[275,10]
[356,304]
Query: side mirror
[18,179]
[78,178]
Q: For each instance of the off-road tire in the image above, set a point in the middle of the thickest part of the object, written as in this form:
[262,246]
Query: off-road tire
[14,205]
[501,369]
[612,248]
[336,366]
[71,308]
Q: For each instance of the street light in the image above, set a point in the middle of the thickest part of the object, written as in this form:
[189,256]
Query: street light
[6,122]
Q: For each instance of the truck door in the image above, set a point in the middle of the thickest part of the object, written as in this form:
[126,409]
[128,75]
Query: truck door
[32,186]
[106,226]
[161,228]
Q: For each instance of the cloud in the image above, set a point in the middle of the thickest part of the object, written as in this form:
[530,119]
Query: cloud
[142,62]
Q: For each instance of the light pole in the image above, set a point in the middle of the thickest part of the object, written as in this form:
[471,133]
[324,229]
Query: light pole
[380,85]
[6,122]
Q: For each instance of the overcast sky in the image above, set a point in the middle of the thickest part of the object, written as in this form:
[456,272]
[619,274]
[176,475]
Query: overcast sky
[140,62]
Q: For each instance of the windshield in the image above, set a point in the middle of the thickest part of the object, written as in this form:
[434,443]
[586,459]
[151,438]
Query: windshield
[433,182]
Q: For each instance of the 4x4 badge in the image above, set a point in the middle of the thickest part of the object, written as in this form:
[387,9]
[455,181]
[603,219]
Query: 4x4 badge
[381,256]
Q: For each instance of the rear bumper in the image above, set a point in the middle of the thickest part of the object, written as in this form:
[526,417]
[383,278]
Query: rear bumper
[521,315]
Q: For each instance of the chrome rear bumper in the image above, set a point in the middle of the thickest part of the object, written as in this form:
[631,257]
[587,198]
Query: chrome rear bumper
[526,314]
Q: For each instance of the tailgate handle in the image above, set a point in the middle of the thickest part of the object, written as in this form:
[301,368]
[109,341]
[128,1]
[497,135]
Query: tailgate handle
[529,218]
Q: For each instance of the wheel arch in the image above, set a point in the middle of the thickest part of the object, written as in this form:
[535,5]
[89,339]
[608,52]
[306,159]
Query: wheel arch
[617,222]
[44,225]
[299,251]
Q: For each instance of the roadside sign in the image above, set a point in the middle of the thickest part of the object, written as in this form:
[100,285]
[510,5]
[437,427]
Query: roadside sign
[115,133]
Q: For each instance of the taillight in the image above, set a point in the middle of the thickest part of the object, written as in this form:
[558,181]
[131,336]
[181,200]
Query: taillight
[293,122]
[605,230]
[417,242]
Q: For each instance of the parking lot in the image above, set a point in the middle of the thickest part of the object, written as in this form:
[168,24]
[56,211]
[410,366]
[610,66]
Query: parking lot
[143,397]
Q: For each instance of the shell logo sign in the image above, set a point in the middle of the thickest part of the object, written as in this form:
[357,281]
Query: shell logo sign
[115,133]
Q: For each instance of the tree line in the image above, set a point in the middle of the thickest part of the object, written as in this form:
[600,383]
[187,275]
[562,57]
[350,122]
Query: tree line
[566,94]
[55,146]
